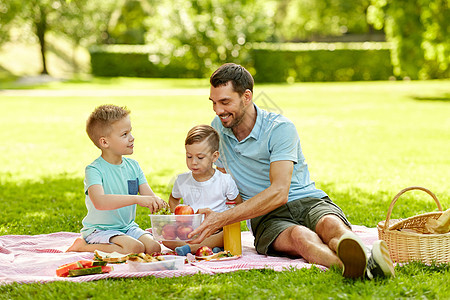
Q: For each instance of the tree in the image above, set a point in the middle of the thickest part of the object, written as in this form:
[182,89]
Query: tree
[208,32]
[419,31]
[78,19]
[85,22]
[128,24]
[310,19]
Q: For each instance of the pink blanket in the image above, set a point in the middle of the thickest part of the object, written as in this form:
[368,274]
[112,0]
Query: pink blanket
[28,259]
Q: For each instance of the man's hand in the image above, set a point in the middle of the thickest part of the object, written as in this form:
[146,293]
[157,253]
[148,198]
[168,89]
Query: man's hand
[213,222]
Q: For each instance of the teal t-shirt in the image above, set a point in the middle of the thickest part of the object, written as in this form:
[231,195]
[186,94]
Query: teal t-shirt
[123,179]
[273,138]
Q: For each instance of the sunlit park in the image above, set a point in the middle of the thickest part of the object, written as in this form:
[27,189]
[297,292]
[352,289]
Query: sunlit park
[365,82]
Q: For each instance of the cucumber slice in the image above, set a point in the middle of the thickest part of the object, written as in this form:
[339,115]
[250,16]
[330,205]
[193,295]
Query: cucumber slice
[86,271]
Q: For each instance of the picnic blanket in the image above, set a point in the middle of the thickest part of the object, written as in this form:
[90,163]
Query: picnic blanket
[34,258]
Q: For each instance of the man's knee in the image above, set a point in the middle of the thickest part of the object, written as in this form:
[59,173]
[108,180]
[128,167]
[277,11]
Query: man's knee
[303,239]
[329,223]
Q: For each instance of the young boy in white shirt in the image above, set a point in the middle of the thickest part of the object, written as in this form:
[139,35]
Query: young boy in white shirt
[203,186]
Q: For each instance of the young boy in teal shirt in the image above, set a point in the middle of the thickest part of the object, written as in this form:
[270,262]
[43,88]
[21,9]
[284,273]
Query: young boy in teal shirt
[113,186]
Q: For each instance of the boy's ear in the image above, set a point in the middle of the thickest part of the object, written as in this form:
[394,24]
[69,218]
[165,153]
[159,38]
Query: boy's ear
[215,156]
[103,142]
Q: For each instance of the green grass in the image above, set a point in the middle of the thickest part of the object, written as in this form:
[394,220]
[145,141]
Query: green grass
[364,142]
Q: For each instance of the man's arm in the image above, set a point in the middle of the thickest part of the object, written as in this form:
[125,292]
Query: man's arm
[271,198]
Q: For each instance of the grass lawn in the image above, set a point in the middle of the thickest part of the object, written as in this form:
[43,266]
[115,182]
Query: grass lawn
[363,141]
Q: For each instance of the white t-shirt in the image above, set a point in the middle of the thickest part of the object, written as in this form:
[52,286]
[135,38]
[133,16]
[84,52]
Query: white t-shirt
[212,193]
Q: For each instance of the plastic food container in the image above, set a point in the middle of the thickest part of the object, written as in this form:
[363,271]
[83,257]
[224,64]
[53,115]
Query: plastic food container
[174,227]
[170,262]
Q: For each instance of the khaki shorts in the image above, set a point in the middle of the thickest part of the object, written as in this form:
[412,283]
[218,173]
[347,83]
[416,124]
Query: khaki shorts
[306,212]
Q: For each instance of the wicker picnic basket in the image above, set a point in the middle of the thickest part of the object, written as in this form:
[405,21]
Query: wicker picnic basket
[407,240]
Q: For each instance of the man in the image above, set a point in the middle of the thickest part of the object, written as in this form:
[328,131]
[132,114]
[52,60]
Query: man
[289,216]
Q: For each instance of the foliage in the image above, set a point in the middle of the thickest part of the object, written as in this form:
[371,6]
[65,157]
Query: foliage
[309,19]
[321,62]
[142,61]
[268,62]
[80,20]
[419,31]
[210,31]
[128,23]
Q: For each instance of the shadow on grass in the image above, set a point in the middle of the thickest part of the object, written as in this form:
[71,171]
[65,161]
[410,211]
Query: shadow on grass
[56,203]
[50,204]
[363,207]
[443,98]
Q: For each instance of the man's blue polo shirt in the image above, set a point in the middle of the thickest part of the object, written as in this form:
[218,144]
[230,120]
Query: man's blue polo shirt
[273,138]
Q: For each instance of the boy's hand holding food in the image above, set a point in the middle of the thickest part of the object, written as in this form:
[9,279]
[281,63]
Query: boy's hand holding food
[154,203]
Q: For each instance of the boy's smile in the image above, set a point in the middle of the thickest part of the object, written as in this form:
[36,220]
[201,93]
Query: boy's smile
[118,142]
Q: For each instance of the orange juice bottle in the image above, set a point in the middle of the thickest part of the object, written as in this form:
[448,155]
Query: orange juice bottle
[232,235]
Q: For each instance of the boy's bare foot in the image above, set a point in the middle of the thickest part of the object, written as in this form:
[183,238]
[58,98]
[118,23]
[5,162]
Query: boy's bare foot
[77,245]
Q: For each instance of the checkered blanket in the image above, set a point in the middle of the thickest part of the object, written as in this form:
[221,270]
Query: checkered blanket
[34,258]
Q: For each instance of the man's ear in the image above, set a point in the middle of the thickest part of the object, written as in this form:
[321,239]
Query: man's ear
[247,96]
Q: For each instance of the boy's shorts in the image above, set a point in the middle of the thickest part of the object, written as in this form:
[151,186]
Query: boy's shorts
[104,236]
[306,212]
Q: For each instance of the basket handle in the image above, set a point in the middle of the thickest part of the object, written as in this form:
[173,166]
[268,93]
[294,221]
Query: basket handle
[391,207]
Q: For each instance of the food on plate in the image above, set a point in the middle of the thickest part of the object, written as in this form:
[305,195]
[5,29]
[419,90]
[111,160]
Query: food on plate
[82,267]
[183,209]
[113,258]
[183,231]
[144,258]
[204,251]
[217,256]
[164,253]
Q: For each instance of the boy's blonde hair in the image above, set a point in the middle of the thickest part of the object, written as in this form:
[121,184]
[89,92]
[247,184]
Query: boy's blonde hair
[100,120]
[201,132]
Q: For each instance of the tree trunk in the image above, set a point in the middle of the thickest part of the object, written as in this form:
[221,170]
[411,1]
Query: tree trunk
[41,28]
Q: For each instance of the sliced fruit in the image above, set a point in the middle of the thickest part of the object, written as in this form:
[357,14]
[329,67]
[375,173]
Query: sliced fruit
[85,271]
[92,263]
[63,271]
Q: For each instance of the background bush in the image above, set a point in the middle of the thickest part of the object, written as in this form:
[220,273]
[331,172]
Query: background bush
[268,62]
[321,62]
[141,61]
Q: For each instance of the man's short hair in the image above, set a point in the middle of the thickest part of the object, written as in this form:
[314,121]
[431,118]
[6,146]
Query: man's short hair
[100,120]
[240,78]
[200,133]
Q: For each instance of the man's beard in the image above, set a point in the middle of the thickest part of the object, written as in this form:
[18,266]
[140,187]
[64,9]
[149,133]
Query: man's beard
[237,118]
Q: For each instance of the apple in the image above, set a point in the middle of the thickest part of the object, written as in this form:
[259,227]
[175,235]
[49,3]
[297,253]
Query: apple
[183,213]
[184,210]
[183,231]
[204,251]
[169,231]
